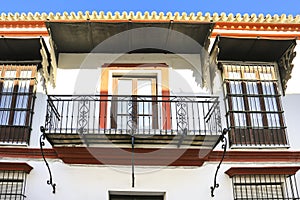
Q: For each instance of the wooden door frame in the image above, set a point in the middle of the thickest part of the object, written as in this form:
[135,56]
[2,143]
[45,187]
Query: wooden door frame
[104,87]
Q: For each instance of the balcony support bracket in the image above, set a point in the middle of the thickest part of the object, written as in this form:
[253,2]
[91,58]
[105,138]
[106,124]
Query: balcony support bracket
[42,143]
[132,160]
[223,139]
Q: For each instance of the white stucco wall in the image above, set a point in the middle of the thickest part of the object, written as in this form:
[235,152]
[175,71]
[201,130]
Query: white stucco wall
[83,71]
[93,182]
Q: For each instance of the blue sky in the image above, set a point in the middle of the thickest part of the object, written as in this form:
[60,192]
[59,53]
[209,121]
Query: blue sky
[228,6]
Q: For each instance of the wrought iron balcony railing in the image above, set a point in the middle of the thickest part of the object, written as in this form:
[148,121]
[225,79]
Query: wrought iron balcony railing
[98,119]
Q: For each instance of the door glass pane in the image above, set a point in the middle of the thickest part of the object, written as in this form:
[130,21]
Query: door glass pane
[145,122]
[144,106]
[124,87]
[140,105]
[122,121]
[144,87]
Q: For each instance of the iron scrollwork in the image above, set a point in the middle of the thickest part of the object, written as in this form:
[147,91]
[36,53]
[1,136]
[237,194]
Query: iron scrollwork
[83,113]
[182,118]
[42,143]
[131,110]
[181,110]
[223,139]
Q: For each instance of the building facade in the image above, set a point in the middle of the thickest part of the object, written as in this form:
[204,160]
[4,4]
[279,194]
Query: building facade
[149,106]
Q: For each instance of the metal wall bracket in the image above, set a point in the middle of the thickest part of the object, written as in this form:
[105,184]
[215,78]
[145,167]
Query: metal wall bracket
[223,139]
[132,161]
[42,143]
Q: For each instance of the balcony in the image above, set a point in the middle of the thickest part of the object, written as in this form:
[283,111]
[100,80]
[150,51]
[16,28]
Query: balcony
[103,120]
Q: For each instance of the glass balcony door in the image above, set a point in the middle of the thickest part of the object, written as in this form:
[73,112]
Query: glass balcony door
[133,105]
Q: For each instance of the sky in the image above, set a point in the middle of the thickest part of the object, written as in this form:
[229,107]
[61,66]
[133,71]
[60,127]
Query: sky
[228,6]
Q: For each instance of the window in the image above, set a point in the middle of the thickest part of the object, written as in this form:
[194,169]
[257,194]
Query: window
[12,185]
[259,183]
[16,102]
[254,110]
[264,187]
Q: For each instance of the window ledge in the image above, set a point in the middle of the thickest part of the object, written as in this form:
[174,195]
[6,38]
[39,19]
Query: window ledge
[233,171]
[20,144]
[13,166]
[236,146]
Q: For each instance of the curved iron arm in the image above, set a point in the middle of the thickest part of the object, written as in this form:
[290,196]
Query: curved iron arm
[224,146]
[42,143]
[132,161]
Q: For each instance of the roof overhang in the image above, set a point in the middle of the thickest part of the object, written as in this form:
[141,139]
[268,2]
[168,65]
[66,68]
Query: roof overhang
[21,49]
[252,49]
[257,50]
[26,51]
[129,36]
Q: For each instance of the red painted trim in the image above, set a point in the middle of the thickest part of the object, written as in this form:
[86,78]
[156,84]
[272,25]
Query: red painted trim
[103,109]
[24,33]
[23,24]
[166,109]
[15,167]
[223,25]
[242,26]
[233,171]
[214,34]
[26,153]
[262,26]
[264,35]
[256,156]
[173,157]
[115,156]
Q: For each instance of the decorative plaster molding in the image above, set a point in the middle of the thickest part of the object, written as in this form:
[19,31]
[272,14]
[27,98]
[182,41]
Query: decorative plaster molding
[199,16]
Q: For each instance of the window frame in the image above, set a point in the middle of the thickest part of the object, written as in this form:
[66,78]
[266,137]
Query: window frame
[14,183]
[256,182]
[264,186]
[12,132]
[246,133]
[161,70]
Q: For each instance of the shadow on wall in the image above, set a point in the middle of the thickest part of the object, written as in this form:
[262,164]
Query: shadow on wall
[291,107]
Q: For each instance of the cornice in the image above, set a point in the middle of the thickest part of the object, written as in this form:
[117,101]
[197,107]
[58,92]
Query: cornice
[199,16]
[36,22]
